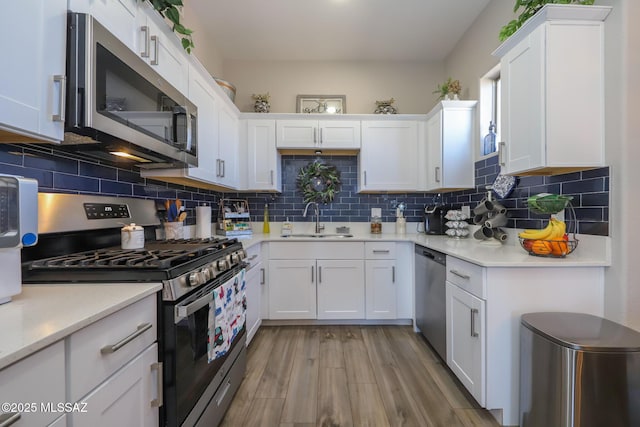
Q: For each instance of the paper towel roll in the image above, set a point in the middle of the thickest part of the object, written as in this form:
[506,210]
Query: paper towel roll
[203,222]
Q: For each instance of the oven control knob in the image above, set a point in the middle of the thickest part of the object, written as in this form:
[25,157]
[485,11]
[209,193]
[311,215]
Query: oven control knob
[205,274]
[195,279]
[223,264]
[213,272]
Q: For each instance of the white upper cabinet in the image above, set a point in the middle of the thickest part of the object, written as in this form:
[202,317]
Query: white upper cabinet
[160,48]
[552,73]
[263,159]
[319,134]
[229,145]
[389,156]
[33,71]
[117,16]
[449,146]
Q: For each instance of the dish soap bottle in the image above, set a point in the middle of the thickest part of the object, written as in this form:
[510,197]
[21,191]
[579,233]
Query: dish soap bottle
[265,222]
[287,228]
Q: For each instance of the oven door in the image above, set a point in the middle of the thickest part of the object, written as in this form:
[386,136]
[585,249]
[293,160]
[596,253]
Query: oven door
[188,372]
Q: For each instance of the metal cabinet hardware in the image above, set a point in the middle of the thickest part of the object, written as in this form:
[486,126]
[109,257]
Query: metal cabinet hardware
[145,53]
[474,311]
[461,275]
[154,61]
[112,348]
[62,98]
[262,278]
[158,401]
[9,419]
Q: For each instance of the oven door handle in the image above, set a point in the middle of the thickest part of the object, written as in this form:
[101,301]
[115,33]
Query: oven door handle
[183,311]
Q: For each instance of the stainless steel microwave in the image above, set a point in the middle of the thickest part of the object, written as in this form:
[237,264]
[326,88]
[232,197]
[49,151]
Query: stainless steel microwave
[118,107]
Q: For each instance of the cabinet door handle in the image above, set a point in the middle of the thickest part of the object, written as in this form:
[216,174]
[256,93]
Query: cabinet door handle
[320,136]
[9,419]
[393,274]
[365,178]
[222,171]
[271,176]
[315,139]
[381,251]
[474,311]
[154,61]
[502,146]
[262,278]
[158,401]
[112,348]
[145,53]
[312,274]
[320,274]
[437,173]
[218,167]
[461,275]
[62,97]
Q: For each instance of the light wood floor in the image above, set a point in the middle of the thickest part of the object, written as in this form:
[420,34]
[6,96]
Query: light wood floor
[299,376]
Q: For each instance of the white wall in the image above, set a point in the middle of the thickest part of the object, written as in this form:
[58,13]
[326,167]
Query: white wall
[471,58]
[410,84]
[207,53]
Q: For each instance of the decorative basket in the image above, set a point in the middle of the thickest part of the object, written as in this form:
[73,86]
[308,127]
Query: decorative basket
[549,248]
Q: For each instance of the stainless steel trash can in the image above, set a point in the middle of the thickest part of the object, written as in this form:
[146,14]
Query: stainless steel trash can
[578,370]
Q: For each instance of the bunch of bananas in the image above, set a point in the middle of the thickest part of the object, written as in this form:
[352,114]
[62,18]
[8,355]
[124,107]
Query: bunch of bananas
[551,240]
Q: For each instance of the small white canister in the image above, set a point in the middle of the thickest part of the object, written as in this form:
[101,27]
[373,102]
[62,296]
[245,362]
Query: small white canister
[132,236]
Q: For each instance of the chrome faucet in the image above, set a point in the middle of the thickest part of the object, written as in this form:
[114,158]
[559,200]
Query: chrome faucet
[319,227]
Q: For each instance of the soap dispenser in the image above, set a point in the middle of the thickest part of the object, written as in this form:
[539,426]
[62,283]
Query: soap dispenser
[265,222]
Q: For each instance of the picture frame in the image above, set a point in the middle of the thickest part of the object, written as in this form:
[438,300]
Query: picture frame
[321,104]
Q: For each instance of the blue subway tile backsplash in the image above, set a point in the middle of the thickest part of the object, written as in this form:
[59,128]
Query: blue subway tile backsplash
[59,171]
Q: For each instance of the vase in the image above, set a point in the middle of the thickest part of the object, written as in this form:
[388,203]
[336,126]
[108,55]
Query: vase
[261,107]
[455,97]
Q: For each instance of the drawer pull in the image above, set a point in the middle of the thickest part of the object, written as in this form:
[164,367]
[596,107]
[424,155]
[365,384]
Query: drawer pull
[474,311]
[461,275]
[159,401]
[9,419]
[227,386]
[381,251]
[117,346]
[252,257]
[262,279]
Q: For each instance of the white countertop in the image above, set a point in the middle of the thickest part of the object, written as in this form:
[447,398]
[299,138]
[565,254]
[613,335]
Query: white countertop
[44,314]
[592,251]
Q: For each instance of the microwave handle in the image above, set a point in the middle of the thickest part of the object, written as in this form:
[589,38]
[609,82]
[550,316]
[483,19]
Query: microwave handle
[189,128]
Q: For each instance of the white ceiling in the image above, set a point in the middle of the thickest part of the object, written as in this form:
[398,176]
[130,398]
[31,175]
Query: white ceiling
[335,30]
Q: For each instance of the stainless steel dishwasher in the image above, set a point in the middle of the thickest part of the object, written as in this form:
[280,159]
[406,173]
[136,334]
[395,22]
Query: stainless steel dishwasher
[430,307]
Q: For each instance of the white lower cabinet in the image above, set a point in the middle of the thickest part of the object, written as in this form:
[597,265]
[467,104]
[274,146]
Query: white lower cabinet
[292,289]
[466,352]
[380,274]
[255,282]
[129,396]
[316,280]
[340,289]
[113,368]
[36,380]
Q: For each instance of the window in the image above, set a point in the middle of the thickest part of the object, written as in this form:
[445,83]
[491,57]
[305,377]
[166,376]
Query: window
[490,106]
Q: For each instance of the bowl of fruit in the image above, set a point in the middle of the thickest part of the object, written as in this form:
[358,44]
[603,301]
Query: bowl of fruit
[551,241]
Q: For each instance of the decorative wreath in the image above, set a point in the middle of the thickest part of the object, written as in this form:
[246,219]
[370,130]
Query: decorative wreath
[318,182]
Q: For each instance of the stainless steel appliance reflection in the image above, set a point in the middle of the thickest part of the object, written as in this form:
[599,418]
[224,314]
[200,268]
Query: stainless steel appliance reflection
[82,244]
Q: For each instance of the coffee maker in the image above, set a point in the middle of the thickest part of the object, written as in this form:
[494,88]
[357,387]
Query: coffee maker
[18,228]
[434,220]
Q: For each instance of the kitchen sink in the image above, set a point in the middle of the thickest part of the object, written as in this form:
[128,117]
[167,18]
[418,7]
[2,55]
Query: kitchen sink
[320,235]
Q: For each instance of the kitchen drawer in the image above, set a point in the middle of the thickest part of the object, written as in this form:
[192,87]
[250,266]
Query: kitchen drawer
[380,250]
[36,379]
[254,255]
[91,362]
[470,277]
[316,250]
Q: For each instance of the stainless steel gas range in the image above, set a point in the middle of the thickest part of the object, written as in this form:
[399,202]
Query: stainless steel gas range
[203,357]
